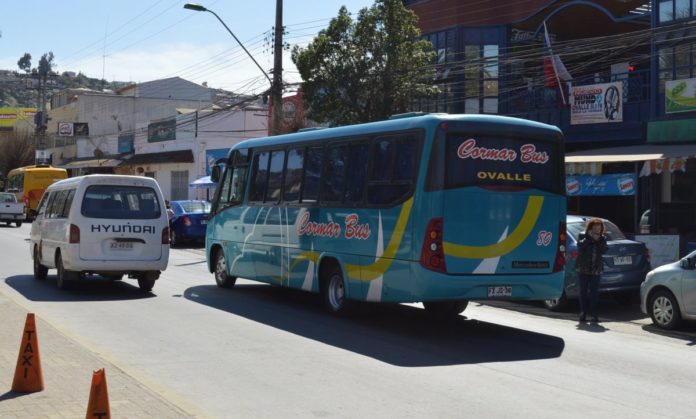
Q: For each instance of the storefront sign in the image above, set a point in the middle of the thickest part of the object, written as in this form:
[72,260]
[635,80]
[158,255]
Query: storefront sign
[680,96]
[622,184]
[596,104]
[663,249]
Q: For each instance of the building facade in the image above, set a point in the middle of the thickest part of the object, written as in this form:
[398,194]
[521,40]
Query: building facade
[618,77]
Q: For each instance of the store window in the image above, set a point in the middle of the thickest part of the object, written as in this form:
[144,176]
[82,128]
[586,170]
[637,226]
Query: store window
[676,63]
[671,10]
[444,44]
[481,73]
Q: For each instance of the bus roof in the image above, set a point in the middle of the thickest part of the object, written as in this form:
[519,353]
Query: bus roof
[399,122]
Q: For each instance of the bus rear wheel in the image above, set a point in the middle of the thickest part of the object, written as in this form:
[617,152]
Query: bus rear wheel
[443,309]
[222,279]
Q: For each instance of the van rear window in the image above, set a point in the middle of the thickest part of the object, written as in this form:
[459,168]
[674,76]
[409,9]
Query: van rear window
[120,202]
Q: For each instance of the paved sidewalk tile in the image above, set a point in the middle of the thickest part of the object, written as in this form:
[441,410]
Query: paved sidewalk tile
[67,369]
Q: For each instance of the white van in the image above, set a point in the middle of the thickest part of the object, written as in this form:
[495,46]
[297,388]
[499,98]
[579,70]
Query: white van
[110,225]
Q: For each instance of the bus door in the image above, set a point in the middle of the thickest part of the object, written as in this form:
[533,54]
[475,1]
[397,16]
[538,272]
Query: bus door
[227,225]
[502,205]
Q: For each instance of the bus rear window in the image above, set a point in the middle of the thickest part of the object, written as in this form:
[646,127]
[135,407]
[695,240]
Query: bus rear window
[120,202]
[506,162]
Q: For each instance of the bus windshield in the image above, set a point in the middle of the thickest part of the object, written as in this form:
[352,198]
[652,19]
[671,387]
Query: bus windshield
[500,161]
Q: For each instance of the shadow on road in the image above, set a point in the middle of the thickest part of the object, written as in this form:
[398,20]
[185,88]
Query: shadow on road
[396,334]
[686,332]
[94,289]
[608,309]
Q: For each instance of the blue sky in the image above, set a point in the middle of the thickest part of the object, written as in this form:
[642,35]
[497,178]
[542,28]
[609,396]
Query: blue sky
[136,40]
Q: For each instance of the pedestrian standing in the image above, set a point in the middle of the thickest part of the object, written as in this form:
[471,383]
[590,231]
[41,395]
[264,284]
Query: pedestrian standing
[590,265]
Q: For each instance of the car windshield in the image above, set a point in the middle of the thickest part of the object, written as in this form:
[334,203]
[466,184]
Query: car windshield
[610,230]
[6,197]
[195,207]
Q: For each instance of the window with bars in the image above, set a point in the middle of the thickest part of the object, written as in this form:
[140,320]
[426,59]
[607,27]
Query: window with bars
[179,185]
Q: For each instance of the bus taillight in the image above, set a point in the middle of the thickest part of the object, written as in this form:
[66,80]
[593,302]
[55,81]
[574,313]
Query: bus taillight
[432,255]
[559,263]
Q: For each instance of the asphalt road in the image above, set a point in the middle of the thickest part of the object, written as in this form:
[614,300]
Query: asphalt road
[266,352]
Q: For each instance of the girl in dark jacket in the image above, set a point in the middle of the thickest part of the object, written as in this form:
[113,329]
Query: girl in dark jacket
[590,265]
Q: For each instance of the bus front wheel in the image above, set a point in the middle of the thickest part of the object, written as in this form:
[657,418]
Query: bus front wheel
[334,292]
[222,279]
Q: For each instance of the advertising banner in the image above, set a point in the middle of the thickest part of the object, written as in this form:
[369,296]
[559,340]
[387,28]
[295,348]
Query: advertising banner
[596,104]
[680,96]
[622,184]
[65,129]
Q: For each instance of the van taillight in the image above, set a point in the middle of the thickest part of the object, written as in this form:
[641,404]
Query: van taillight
[165,235]
[432,254]
[74,234]
[559,263]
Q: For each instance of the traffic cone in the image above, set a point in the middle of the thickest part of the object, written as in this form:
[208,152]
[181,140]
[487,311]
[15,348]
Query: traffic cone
[98,406]
[28,376]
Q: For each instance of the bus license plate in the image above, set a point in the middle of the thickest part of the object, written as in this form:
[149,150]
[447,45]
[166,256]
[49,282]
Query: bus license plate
[622,260]
[500,291]
[121,246]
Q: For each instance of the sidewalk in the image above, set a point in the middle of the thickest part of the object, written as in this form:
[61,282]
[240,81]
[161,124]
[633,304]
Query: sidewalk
[67,369]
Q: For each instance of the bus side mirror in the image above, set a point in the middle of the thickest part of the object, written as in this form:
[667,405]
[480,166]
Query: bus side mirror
[215,175]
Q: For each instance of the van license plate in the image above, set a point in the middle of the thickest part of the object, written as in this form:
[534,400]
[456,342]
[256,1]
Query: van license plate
[121,246]
[500,291]
[622,260]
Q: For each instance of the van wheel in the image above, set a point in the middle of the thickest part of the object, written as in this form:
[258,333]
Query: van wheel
[65,279]
[445,309]
[222,279]
[333,291]
[40,271]
[146,284]
[17,223]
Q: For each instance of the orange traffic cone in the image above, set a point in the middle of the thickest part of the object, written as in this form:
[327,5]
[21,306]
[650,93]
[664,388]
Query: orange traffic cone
[98,406]
[28,376]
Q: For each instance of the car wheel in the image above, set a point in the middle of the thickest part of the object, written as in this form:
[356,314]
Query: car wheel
[664,310]
[222,279]
[557,304]
[18,224]
[65,279]
[334,293]
[146,284]
[445,309]
[40,271]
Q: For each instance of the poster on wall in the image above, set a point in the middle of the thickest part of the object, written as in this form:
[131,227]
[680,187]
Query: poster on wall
[680,96]
[663,248]
[596,104]
[621,184]
[213,156]
[65,129]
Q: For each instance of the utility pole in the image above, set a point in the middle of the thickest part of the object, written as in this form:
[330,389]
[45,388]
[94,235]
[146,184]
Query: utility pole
[277,86]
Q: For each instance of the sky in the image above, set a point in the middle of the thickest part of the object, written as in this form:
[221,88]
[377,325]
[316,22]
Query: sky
[143,40]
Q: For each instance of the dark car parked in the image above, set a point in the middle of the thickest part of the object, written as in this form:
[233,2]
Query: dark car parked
[188,221]
[625,265]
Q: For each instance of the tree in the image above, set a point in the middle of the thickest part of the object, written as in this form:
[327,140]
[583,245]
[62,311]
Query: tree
[24,62]
[366,70]
[16,151]
[46,65]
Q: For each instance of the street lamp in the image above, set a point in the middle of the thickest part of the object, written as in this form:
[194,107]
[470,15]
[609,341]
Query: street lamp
[275,87]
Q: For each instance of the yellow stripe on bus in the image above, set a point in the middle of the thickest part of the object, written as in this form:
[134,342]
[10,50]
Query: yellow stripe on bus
[521,232]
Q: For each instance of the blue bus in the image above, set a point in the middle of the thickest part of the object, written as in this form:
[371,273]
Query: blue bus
[432,208]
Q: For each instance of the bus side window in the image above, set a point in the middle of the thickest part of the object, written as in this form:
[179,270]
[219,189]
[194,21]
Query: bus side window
[275,176]
[393,169]
[224,198]
[259,179]
[312,175]
[357,173]
[293,175]
[334,176]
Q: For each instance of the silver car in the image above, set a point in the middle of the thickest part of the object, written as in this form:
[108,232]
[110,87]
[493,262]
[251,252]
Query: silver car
[668,293]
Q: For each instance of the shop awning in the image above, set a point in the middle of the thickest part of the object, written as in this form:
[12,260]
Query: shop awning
[639,153]
[85,164]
